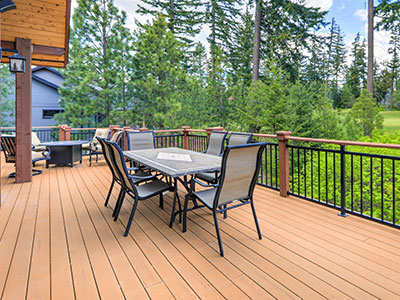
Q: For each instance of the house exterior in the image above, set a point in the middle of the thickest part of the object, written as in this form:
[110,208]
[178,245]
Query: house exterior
[45,96]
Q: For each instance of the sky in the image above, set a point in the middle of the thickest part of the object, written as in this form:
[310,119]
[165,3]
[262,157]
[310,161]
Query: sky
[350,15]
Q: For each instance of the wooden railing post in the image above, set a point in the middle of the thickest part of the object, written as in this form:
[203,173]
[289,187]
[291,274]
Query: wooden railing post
[283,162]
[61,132]
[210,129]
[114,129]
[186,137]
[125,128]
[67,133]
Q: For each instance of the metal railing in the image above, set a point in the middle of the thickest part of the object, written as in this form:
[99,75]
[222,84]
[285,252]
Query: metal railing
[169,140]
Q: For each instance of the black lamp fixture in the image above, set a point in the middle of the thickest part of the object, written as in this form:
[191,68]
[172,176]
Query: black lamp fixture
[17,62]
[6,5]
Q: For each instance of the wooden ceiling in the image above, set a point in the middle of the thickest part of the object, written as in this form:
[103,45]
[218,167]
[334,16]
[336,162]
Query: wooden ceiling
[45,23]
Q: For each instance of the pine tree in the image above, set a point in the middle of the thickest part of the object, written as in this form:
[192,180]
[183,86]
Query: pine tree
[90,91]
[183,16]
[356,77]
[159,75]
[286,32]
[394,64]
[7,104]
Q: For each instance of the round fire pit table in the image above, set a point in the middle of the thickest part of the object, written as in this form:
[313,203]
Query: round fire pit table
[64,152]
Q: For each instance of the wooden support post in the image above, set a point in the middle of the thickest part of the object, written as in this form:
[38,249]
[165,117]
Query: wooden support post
[23,109]
[61,132]
[114,129]
[210,129]
[186,137]
[67,132]
[125,128]
[283,162]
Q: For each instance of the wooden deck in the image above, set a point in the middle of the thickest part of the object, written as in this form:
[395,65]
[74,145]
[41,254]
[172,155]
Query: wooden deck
[58,241]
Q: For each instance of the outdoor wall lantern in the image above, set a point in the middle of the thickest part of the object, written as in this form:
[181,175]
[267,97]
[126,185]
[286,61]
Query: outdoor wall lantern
[17,63]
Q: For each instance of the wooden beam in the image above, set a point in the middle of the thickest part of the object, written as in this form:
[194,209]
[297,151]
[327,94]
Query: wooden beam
[37,49]
[23,109]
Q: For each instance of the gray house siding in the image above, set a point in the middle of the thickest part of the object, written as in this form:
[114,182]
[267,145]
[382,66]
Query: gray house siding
[45,96]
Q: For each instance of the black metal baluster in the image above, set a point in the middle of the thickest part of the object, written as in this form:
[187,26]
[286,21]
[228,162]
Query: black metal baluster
[319,175]
[298,171]
[270,160]
[292,181]
[312,176]
[372,194]
[394,192]
[361,186]
[382,189]
[326,177]
[305,173]
[334,179]
[352,184]
[342,182]
[276,165]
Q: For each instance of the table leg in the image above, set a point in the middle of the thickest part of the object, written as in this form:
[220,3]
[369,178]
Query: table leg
[176,199]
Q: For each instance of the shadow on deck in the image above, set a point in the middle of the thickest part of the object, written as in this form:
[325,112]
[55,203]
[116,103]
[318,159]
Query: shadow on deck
[58,240]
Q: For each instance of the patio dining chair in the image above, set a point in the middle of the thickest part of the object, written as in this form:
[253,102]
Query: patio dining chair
[238,138]
[93,147]
[239,173]
[115,175]
[140,140]
[216,145]
[154,187]
[9,145]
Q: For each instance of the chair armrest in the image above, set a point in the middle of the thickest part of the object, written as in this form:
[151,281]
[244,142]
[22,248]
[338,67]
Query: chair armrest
[142,177]
[47,152]
[203,184]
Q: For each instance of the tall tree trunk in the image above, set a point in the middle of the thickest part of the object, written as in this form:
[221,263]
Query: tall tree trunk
[257,41]
[213,41]
[172,15]
[371,46]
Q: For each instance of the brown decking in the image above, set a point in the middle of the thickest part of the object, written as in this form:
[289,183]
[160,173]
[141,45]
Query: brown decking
[57,240]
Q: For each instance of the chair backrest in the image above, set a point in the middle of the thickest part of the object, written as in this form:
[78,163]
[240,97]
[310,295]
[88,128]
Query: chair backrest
[108,158]
[239,172]
[238,138]
[141,140]
[8,143]
[118,160]
[104,133]
[216,142]
[35,139]
[117,136]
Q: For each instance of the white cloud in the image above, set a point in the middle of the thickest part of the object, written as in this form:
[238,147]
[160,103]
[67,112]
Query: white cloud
[362,14]
[322,4]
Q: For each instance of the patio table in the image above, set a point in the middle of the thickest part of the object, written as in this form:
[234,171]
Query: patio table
[178,164]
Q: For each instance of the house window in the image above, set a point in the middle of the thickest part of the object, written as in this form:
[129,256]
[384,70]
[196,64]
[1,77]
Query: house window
[49,113]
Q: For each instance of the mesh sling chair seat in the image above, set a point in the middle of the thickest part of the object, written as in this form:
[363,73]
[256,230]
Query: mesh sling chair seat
[216,145]
[9,143]
[115,175]
[93,147]
[239,173]
[238,138]
[147,190]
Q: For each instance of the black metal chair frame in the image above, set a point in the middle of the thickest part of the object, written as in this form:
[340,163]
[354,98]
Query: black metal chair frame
[94,150]
[224,208]
[129,187]
[46,155]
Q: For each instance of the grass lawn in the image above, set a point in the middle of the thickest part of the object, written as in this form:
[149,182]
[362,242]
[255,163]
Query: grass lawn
[391,121]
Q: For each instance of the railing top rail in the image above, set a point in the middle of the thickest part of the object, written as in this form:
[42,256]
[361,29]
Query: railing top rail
[82,129]
[33,127]
[344,143]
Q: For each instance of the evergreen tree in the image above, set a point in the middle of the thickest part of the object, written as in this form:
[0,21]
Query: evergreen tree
[286,32]
[89,93]
[394,64]
[159,75]
[356,77]
[183,16]
[7,82]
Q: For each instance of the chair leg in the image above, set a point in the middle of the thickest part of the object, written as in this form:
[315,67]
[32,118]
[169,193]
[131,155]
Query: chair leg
[36,172]
[128,226]
[187,198]
[97,158]
[225,212]
[221,250]
[161,201]
[118,204]
[255,219]
[90,159]
[109,193]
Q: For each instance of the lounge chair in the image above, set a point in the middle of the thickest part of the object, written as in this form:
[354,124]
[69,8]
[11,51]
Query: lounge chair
[9,145]
[239,173]
[93,147]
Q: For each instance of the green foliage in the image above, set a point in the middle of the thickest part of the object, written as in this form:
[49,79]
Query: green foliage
[7,105]
[158,75]
[364,117]
[99,55]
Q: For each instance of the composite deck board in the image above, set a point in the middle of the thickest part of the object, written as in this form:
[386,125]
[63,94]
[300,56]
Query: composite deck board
[59,241]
